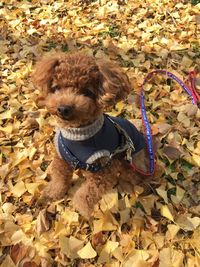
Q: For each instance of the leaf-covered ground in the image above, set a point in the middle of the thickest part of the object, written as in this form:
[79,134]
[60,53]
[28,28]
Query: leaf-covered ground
[158,227]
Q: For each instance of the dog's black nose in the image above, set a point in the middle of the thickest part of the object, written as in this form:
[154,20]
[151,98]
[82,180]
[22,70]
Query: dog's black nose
[64,111]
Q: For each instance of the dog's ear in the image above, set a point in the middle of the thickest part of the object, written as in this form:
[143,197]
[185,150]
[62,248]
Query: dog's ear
[114,83]
[43,73]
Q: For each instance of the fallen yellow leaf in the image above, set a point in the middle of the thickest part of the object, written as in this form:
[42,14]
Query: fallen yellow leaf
[165,212]
[172,231]
[87,252]
[70,246]
[105,253]
[19,189]
[7,262]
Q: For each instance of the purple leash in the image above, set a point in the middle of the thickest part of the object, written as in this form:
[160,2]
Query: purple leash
[195,98]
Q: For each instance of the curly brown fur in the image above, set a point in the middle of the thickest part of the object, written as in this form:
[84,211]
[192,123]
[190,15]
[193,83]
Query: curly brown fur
[86,86]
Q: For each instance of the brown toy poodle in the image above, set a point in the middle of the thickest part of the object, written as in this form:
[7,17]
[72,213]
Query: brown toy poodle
[76,89]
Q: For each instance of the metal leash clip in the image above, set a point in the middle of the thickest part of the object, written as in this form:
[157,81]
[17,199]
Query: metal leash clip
[127,144]
[129,151]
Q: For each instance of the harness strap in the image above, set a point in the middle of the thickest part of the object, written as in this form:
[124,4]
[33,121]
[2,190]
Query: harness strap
[190,90]
[73,161]
[126,145]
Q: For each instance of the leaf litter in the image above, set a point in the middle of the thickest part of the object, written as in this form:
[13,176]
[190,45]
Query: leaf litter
[156,226]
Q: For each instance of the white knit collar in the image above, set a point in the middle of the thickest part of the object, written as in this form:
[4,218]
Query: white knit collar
[83,133]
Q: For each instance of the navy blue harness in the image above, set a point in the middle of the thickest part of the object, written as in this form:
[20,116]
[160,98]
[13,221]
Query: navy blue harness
[116,136]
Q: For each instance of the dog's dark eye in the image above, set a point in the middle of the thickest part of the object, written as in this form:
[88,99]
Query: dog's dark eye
[54,88]
[89,93]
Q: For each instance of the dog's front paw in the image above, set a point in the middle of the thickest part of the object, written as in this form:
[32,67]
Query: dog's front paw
[83,208]
[54,191]
[83,203]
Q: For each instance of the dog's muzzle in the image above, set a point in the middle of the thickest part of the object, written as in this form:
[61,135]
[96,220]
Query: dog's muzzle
[64,111]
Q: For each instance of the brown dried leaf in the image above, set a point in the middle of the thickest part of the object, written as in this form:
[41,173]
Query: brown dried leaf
[30,264]
[98,239]
[18,252]
[163,128]
[42,223]
[171,152]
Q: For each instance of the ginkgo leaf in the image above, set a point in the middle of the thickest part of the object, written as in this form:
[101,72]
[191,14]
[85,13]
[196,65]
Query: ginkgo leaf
[42,224]
[172,152]
[196,159]
[163,193]
[87,252]
[163,127]
[172,231]
[105,253]
[166,212]
[171,257]
[137,257]
[109,201]
[18,252]
[19,189]
[8,207]
[8,262]
[70,246]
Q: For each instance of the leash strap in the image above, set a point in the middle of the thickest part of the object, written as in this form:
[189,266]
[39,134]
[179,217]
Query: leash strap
[191,90]
[191,83]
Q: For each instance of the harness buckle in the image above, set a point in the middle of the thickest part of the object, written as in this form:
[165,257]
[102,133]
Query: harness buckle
[129,154]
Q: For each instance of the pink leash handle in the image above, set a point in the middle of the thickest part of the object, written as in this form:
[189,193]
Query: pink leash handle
[192,86]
